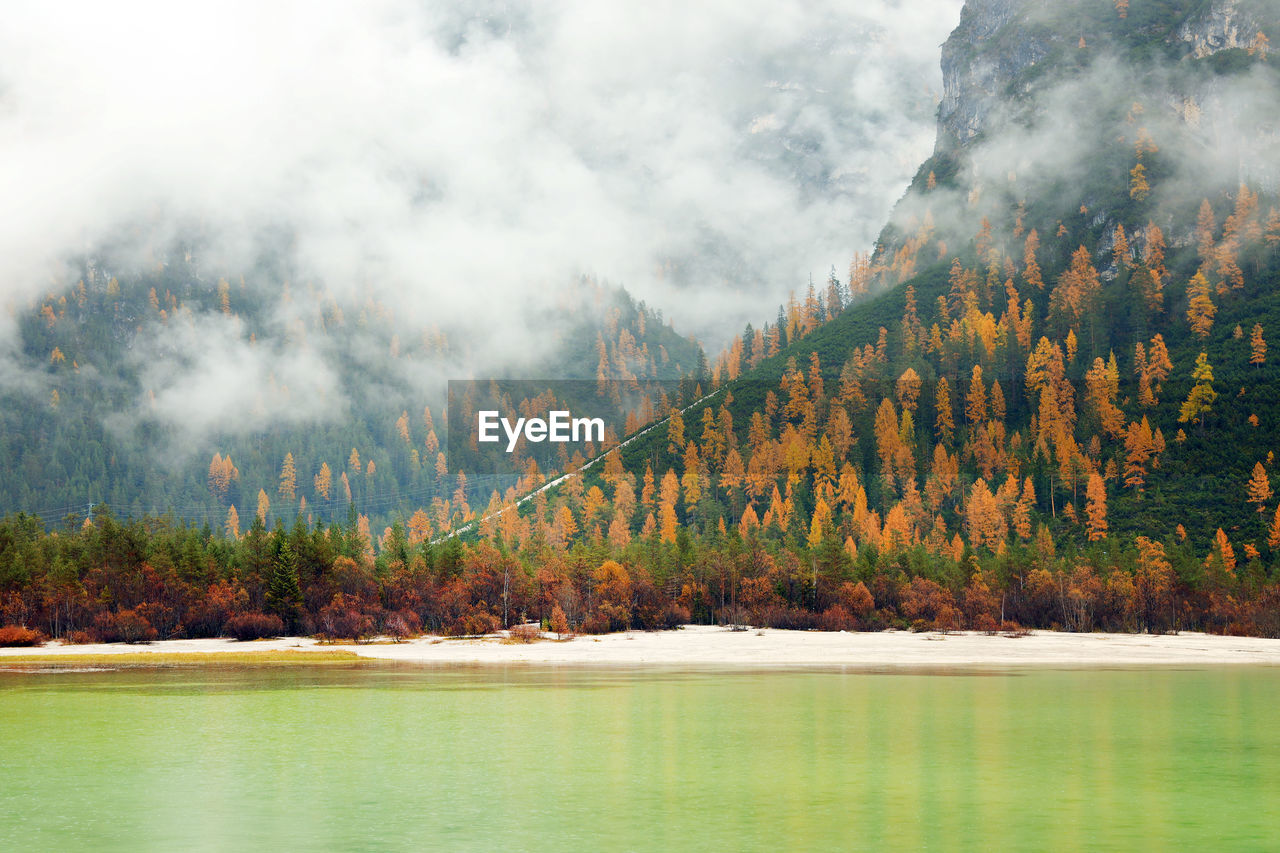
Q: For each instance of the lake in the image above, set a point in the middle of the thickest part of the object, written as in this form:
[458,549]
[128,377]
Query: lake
[401,757]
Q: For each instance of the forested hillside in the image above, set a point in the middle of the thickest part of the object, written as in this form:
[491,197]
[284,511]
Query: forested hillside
[267,435]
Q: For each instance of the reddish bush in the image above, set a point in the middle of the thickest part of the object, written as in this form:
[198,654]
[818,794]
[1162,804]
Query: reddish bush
[791,618]
[401,624]
[837,618]
[254,626]
[79,638]
[209,614]
[474,623]
[17,635]
[125,626]
[607,619]
[857,599]
[524,634]
[924,601]
[342,620]
[986,623]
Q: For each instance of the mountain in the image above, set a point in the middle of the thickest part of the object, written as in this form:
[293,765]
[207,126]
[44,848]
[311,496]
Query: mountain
[171,389]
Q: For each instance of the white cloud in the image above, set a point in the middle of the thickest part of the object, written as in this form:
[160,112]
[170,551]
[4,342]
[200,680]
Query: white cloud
[461,160]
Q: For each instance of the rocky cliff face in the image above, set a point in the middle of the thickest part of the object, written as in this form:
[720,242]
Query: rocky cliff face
[976,71]
[991,55]
[1222,25]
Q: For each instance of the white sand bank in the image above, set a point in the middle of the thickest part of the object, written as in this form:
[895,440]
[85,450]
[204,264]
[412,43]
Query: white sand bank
[715,646]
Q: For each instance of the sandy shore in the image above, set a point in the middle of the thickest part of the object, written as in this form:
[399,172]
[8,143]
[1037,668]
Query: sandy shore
[715,646]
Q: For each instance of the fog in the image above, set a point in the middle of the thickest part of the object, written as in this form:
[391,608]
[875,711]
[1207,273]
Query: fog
[462,160]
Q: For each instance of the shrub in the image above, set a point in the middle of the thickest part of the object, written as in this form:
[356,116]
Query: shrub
[18,635]
[480,622]
[837,618]
[254,626]
[79,638]
[791,618]
[125,626]
[401,624]
[607,619]
[474,623]
[341,620]
[524,634]
[986,623]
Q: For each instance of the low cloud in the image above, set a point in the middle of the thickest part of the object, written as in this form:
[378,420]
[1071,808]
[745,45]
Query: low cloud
[456,163]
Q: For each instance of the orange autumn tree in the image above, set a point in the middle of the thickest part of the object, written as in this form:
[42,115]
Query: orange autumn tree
[323,480]
[1096,508]
[1200,308]
[288,488]
[1259,488]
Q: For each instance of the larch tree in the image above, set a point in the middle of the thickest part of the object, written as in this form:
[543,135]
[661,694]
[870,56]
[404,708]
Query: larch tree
[1259,488]
[1140,446]
[288,479]
[944,425]
[1096,507]
[1030,268]
[323,480]
[1199,401]
[264,505]
[1200,307]
[908,390]
[985,523]
[1206,228]
[1139,187]
[975,407]
[1273,533]
[1022,510]
[1257,346]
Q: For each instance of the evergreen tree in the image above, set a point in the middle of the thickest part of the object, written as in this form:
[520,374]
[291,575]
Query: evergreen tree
[284,593]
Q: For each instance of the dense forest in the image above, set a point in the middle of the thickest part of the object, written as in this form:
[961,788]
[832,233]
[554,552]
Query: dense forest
[1051,407]
[95,437]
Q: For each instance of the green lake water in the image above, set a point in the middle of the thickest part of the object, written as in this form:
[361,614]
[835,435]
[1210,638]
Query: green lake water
[394,757]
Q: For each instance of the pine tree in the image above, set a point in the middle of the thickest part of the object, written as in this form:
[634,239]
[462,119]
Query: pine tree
[284,594]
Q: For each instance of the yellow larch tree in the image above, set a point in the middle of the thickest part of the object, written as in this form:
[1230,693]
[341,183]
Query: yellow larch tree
[288,479]
[1259,488]
[1096,507]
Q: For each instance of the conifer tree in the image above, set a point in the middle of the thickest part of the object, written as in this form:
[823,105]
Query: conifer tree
[1096,507]
[284,594]
[288,479]
[1200,400]
[1259,487]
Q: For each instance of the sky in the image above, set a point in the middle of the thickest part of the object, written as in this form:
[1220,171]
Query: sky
[465,158]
